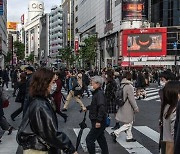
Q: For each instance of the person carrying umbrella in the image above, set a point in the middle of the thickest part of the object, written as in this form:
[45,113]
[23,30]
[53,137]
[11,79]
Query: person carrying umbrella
[97,115]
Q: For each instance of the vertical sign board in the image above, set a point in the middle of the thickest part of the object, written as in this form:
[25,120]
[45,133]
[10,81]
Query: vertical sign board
[1,8]
[0,44]
[76,46]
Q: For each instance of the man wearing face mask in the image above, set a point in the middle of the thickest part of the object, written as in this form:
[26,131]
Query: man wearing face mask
[97,115]
[29,72]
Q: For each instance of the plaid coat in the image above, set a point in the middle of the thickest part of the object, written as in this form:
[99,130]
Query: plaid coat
[110,96]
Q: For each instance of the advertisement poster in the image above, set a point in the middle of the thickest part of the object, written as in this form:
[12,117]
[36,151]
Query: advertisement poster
[149,42]
[145,42]
[133,10]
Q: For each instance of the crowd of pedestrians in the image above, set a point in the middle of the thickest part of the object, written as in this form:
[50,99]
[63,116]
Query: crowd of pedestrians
[39,93]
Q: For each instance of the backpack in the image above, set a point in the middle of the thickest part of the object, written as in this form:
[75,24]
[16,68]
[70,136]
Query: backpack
[119,98]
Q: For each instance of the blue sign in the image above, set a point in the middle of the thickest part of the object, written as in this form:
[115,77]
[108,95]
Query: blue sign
[175,45]
[1,8]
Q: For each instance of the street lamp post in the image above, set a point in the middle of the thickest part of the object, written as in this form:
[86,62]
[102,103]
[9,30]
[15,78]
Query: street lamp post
[129,45]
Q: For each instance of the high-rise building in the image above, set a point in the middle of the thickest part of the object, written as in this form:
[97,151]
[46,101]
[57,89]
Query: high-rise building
[55,31]
[106,19]
[3,31]
[165,12]
[32,29]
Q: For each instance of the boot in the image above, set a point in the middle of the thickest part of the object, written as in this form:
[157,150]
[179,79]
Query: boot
[117,126]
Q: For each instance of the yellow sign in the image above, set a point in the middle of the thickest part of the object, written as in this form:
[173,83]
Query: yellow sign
[12,25]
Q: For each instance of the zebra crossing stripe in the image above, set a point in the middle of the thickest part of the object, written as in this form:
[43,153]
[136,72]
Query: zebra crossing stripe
[9,143]
[152,90]
[131,147]
[83,140]
[151,98]
[151,94]
[148,132]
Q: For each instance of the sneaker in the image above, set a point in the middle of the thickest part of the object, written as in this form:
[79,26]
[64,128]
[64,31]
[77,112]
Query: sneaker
[64,109]
[10,130]
[6,89]
[131,140]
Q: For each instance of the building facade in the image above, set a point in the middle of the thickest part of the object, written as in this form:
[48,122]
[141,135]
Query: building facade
[44,39]
[107,19]
[55,31]
[3,33]
[32,29]
[68,22]
[165,13]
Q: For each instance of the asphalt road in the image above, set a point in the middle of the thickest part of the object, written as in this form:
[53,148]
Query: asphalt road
[145,128]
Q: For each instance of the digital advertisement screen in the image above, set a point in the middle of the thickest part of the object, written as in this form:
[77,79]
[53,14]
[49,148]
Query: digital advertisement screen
[145,42]
[150,42]
[133,9]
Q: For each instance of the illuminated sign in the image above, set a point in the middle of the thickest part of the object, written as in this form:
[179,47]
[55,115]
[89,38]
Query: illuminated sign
[22,19]
[147,42]
[12,25]
[133,9]
[37,6]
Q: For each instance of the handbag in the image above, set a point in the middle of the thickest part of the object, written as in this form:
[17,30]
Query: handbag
[5,103]
[78,90]
[108,120]
[31,151]
[167,147]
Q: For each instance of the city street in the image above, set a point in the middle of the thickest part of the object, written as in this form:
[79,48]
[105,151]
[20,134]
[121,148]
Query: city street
[145,128]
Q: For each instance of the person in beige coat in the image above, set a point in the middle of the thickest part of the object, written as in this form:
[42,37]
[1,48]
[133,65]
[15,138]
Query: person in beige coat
[126,113]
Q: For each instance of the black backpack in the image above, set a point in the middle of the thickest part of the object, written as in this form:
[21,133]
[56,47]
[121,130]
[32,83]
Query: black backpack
[119,98]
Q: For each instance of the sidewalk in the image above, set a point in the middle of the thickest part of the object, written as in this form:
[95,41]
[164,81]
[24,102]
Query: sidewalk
[9,144]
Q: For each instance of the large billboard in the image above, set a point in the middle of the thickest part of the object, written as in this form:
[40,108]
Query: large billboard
[133,10]
[12,25]
[1,8]
[144,42]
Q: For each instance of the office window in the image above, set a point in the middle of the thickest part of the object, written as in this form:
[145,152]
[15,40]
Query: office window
[108,10]
[76,8]
[117,2]
[76,19]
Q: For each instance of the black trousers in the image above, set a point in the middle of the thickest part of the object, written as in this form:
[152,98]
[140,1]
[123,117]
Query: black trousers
[17,112]
[97,134]
[4,124]
[85,88]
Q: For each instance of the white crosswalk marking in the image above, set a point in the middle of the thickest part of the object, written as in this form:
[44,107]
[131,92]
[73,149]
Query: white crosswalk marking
[83,139]
[148,132]
[9,144]
[131,147]
[151,98]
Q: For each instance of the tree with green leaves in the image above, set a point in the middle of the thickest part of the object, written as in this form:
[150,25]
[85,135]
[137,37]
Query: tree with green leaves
[30,58]
[8,57]
[19,48]
[66,55]
[88,52]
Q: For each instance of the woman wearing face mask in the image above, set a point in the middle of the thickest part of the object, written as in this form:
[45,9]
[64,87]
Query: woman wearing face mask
[57,96]
[168,111]
[38,131]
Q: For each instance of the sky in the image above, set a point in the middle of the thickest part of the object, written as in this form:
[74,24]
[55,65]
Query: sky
[16,8]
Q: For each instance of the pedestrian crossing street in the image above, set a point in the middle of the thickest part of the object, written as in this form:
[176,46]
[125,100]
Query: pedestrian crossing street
[130,147]
[9,144]
[152,94]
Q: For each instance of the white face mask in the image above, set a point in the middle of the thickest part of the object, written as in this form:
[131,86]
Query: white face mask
[53,88]
[91,88]
[162,83]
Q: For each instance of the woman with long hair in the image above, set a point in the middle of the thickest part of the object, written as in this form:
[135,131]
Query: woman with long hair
[38,131]
[168,110]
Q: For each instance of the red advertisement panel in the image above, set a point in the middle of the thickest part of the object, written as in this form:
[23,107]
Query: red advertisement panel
[150,42]
[76,46]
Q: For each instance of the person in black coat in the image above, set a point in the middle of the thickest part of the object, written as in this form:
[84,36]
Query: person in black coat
[20,96]
[97,115]
[5,78]
[3,122]
[39,128]
[29,72]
